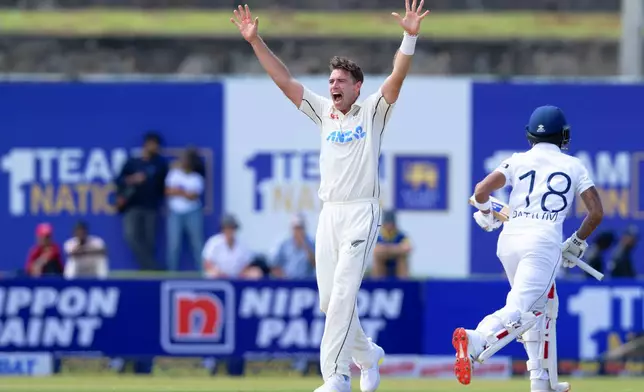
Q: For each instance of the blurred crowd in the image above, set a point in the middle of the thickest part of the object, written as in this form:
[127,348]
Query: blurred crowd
[478,5]
[611,253]
[152,191]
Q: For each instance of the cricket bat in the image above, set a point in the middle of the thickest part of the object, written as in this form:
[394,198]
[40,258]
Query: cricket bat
[501,211]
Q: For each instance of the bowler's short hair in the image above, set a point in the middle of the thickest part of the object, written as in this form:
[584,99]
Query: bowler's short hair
[347,65]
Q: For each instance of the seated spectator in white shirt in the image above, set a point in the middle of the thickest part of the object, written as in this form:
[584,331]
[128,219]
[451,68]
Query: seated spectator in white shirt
[295,258]
[184,187]
[225,257]
[86,255]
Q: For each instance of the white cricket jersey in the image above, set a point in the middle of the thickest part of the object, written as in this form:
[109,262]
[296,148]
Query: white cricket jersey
[350,148]
[544,183]
[85,265]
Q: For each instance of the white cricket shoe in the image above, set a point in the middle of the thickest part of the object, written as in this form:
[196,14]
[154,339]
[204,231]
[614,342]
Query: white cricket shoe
[370,377]
[336,383]
[544,386]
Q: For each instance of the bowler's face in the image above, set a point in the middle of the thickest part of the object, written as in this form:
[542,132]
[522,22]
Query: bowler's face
[344,89]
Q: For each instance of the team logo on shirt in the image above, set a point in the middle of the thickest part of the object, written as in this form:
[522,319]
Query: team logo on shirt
[198,317]
[342,137]
[421,182]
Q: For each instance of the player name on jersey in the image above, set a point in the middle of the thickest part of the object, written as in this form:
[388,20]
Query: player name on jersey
[545,216]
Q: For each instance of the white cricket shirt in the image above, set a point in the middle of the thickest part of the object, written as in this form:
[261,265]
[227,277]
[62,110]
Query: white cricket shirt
[544,183]
[350,145]
[231,261]
[85,265]
[189,182]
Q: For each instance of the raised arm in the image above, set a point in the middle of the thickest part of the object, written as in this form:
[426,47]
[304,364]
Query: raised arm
[271,64]
[402,59]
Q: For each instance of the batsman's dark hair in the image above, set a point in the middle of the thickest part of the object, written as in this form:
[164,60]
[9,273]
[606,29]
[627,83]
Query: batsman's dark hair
[350,66]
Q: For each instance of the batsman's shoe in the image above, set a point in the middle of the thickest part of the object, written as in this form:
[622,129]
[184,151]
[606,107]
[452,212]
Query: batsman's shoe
[370,376]
[544,386]
[463,364]
[336,383]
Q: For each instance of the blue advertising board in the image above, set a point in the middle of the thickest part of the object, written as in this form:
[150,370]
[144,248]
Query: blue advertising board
[237,318]
[194,317]
[591,314]
[61,145]
[606,135]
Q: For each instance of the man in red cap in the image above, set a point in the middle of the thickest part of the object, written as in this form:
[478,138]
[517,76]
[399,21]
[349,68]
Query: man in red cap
[45,256]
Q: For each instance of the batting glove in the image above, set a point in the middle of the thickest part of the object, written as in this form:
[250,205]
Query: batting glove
[567,262]
[575,246]
[486,221]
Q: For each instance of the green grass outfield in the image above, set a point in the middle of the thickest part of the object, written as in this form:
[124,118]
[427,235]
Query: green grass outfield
[508,25]
[274,384]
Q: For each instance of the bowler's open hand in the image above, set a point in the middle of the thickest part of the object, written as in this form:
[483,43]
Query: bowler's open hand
[245,23]
[413,17]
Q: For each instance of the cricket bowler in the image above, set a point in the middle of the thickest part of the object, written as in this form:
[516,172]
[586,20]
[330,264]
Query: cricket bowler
[544,183]
[351,135]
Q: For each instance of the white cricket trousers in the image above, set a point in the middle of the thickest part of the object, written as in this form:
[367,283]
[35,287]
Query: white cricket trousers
[344,244]
[531,266]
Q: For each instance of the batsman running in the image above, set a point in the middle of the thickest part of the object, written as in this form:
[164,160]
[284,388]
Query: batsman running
[544,183]
[351,135]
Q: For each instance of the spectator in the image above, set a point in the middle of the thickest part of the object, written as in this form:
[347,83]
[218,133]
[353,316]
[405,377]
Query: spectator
[595,253]
[140,192]
[392,250]
[225,257]
[295,258]
[86,255]
[184,187]
[44,257]
[621,265]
